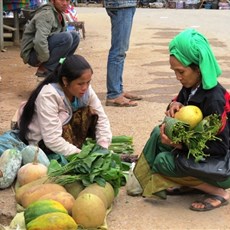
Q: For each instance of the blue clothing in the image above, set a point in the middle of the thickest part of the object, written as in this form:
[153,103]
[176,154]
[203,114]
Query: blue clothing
[119,3]
[60,45]
[121,26]
[10,140]
[76,104]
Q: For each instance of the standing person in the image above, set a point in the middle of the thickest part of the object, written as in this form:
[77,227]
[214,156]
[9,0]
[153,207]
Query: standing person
[121,13]
[157,169]
[45,39]
[63,110]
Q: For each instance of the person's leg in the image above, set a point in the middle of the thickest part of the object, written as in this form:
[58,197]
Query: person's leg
[75,43]
[61,45]
[216,198]
[216,195]
[33,59]
[121,25]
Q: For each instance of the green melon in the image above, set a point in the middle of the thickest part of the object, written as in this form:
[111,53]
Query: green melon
[53,221]
[41,207]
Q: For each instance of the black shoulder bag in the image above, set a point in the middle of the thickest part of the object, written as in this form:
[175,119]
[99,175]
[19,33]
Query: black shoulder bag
[213,168]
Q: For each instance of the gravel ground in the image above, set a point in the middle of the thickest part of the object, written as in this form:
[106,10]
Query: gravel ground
[147,73]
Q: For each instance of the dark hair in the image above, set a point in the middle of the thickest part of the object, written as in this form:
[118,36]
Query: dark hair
[194,66]
[72,68]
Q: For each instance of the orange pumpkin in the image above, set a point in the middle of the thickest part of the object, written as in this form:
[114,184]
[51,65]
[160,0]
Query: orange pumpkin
[31,171]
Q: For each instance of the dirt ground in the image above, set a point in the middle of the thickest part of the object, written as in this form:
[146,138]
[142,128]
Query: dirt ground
[147,73]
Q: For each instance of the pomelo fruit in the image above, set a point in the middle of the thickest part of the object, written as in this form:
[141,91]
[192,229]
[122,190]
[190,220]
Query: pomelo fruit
[190,114]
[74,188]
[89,211]
[97,192]
[107,190]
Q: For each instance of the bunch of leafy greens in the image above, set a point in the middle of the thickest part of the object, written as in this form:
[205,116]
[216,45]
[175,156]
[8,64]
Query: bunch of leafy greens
[196,138]
[120,144]
[92,164]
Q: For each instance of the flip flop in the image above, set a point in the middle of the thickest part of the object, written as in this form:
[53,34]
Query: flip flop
[183,190]
[120,102]
[207,205]
[132,97]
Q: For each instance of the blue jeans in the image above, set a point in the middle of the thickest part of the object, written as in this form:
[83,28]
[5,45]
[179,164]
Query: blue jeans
[60,45]
[121,26]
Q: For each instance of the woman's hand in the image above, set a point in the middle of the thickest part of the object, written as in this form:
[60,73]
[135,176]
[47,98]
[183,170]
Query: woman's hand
[173,108]
[165,140]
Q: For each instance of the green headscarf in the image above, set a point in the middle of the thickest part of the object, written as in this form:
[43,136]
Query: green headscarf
[189,47]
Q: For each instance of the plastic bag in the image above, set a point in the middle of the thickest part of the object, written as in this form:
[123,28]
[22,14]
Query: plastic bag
[133,187]
[18,222]
[10,140]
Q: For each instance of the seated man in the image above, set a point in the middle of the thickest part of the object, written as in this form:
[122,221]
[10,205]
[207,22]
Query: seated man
[45,39]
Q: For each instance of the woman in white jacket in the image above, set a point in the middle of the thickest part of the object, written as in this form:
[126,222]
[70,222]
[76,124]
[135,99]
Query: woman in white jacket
[64,110]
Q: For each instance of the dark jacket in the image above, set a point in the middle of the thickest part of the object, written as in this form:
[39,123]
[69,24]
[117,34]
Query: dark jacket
[215,100]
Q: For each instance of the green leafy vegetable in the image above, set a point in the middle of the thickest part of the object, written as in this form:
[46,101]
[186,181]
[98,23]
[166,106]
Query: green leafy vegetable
[92,164]
[196,138]
[120,144]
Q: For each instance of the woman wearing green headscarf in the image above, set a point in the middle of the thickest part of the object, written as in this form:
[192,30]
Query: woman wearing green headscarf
[195,66]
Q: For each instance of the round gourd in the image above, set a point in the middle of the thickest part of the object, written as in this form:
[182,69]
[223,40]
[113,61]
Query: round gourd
[28,154]
[65,198]
[10,162]
[89,211]
[53,221]
[31,171]
[42,207]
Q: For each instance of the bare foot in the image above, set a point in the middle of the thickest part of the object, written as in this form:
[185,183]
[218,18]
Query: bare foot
[210,202]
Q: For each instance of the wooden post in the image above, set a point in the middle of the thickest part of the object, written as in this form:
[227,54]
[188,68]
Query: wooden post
[1,26]
[16,26]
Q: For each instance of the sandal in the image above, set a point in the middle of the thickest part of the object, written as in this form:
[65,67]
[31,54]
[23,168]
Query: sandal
[132,97]
[120,102]
[183,190]
[207,203]
[42,74]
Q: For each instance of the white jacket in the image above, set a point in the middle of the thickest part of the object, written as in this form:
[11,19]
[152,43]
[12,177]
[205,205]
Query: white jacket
[51,113]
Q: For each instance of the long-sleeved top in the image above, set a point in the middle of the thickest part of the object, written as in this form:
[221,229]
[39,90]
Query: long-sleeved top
[45,22]
[215,100]
[53,110]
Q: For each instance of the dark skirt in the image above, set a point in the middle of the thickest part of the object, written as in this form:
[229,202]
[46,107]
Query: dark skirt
[82,125]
